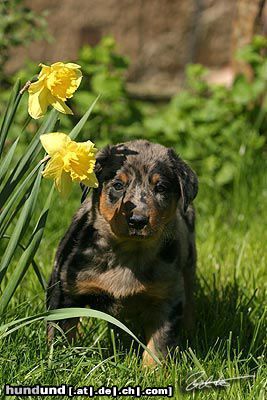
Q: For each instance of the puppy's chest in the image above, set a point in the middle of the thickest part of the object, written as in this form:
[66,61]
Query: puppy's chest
[122,281]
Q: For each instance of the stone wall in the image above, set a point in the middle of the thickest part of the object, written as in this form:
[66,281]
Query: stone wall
[159,36]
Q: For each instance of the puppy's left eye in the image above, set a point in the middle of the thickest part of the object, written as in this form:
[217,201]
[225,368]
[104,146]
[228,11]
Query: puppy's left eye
[118,185]
[161,188]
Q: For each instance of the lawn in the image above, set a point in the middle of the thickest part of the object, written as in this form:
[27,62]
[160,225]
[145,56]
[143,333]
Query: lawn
[221,132]
[230,336]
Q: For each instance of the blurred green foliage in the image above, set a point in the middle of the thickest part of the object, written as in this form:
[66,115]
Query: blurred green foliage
[19,25]
[220,131]
[116,117]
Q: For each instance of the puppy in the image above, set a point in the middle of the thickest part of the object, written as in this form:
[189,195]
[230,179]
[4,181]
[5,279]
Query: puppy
[130,249]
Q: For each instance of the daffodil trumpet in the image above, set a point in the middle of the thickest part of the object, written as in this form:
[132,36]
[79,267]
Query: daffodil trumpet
[69,161]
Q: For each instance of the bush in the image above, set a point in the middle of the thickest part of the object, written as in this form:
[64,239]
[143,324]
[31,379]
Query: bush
[19,26]
[116,117]
[218,129]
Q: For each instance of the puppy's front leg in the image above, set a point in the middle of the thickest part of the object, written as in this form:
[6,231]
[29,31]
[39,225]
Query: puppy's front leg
[162,337]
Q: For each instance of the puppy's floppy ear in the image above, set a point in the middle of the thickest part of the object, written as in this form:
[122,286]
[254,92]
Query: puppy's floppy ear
[187,179]
[102,162]
[109,160]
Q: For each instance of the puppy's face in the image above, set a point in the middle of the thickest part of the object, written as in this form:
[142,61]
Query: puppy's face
[139,188]
[138,204]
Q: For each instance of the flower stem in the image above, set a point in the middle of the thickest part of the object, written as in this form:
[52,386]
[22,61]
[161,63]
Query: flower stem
[46,158]
[25,87]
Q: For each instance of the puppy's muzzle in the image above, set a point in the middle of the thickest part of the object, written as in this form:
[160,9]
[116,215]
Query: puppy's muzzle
[137,221]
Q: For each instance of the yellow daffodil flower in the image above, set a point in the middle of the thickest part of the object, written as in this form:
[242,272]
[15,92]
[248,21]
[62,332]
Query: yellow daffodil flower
[70,161]
[56,84]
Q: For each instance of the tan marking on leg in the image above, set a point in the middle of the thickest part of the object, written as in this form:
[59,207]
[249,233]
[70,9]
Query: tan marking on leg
[148,361]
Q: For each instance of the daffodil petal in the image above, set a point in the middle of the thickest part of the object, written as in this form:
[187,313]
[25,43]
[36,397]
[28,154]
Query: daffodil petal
[44,71]
[58,64]
[72,65]
[53,168]
[54,142]
[59,105]
[88,145]
[36,87]
[91,181]
[43,65]
[78,78]
[63,184]
[38,103]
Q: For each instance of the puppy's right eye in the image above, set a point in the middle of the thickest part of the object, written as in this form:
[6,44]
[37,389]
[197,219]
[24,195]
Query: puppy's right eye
[118,185]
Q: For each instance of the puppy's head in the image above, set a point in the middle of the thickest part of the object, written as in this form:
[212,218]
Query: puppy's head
[141,184]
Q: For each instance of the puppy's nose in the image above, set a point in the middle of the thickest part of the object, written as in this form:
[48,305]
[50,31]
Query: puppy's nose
[138,221]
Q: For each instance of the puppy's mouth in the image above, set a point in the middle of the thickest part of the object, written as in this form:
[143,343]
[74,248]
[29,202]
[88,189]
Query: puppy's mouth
[138,234]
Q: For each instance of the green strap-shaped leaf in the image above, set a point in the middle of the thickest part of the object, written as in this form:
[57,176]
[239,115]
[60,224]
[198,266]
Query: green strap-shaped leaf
[14,211]
[40,275]
[27,256]
[36,269]
[24,164]
[5,163]
[64,313]
[13,200]
[8,116]
[21,226]
[78,127]
[35,145]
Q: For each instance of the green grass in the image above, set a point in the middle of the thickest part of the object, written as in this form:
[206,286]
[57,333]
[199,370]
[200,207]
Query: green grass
[230,337]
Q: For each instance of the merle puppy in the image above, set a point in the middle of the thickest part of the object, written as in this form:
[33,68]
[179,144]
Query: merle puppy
[130,249]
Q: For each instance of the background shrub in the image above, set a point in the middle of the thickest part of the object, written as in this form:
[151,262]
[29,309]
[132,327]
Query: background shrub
[219,130]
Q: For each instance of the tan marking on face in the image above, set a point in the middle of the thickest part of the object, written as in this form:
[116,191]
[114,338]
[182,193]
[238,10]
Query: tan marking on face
[160,217]
[123,177]
[155,178]
[106,209]
[113,214]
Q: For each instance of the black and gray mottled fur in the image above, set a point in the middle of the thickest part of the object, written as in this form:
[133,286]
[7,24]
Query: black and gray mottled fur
[143,275]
